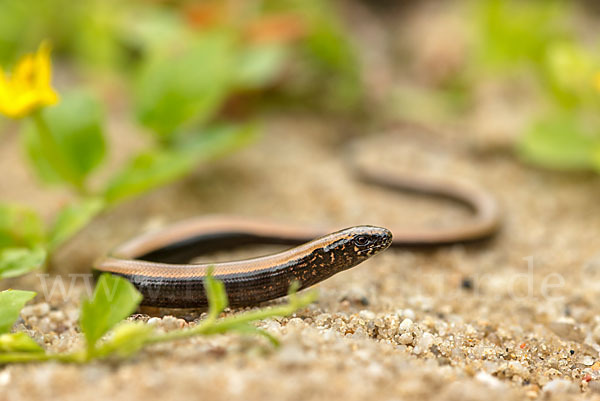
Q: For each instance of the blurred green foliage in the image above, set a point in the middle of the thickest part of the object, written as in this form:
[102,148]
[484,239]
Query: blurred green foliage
[160,166]
[181,65]
[22,240]
[540,39]
[186,85]
[76,125]
[544,49]
[184,64]
[511,33]
[537,42]
[114,299]
[12,302]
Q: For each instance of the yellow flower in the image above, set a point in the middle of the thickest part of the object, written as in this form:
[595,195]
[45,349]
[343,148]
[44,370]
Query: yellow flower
[29,86]
[597,81]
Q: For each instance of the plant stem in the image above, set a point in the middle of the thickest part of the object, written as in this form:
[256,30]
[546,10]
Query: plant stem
[24,357]
[54,155]
[213,326]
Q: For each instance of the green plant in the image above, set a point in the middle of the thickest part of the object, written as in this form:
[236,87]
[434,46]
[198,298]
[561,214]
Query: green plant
[106,335]
[183,72]
[563,67]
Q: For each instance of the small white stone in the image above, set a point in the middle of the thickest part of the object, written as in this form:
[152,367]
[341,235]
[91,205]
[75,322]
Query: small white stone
[41,309]
[406,325]
[488,379]
[37,310]
[172,323]
[154,321]
[490,367]
[425,342]
[366,315]
[329,334]
[516,368]
[405,339]
[295,323]
[323,319]
[587,360]
[272,326]
[558,386]
[56,316]
[359,333]
[27,312]
[375,370]
[45,325]
[5,378]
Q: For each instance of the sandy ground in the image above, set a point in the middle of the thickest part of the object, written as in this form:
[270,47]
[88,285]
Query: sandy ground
[514,318]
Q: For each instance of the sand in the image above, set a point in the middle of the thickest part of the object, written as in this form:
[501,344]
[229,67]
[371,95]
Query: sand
[510,318]
[516,317]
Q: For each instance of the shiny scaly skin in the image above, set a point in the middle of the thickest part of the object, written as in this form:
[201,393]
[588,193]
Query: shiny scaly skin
[157,263]
[247,282]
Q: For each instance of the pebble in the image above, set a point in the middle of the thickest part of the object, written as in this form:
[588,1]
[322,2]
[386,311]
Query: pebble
[406,325]
[272,326]
[531,394]
[45,325]
[405,339]
[168,322]
[425,342]
[366,314]
[57,316]
[559,386]
[174,323]
[36,310]
[406,313]
[587,360]
[5,378]
[323,319]
[516,368]
[488,379]
[295,323]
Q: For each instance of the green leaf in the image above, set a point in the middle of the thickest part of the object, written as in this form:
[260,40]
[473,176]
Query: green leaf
[114,299]
[505,35]
[20,227]
[333,59]
[570,70]
[126,339]
[259,65]
[18,261]
[148,28]
[216,295]
[71,219]
[559,143]
[187,85]
[146,171]
[76,126]
[18,342]
[11,303]
[152,169]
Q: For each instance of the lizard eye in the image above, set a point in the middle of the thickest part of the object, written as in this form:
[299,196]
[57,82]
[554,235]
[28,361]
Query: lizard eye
[362,240]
